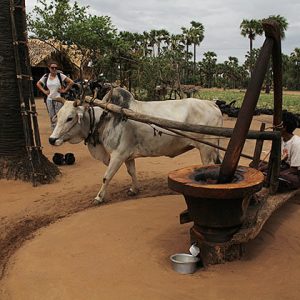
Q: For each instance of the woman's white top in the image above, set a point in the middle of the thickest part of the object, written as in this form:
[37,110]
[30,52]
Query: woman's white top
[53,84]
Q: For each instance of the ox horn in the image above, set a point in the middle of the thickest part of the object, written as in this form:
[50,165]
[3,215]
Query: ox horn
[60,99]
[88,99]
[76,103]
[95,93]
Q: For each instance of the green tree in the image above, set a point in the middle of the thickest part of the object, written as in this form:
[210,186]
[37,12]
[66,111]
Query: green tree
[73,27]
[282,22]
[232,72]
[251,28]
[187,40]
[197,36]
[162,37]
[208,68]
[153,40]
[52,21]
[294,69]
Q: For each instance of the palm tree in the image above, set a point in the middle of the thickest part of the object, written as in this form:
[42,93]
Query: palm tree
[153,40]
[197,36]
[251,28]
[295,67]
[20,149]
[208,68]
[145,43]
[282,22]
[187,40]
[162,36]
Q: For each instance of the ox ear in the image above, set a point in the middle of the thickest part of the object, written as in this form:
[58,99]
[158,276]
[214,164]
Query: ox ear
[76,103]
[80,111]
[60,99]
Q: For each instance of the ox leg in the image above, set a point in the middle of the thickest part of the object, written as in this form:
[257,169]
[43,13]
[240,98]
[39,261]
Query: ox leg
[209,155]
[114,165]
[130,165]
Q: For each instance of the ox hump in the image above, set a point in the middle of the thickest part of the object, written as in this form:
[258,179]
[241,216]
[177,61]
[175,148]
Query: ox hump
[120,97]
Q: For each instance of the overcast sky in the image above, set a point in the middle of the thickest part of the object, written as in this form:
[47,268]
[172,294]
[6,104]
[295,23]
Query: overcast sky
[221,20]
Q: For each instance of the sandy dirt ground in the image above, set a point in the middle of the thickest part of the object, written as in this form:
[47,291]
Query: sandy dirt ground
[56,245]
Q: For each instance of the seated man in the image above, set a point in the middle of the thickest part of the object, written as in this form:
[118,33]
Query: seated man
[289,176]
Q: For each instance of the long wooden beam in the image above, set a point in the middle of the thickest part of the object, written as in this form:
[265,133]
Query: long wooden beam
[164,123]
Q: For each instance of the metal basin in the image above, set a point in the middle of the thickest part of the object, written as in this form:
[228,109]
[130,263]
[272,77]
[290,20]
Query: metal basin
[184,263]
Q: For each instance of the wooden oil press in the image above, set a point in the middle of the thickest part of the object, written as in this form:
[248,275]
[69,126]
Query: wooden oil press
[218,196]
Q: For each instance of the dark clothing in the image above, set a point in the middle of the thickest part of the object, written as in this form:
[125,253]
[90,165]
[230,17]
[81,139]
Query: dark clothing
[289,177]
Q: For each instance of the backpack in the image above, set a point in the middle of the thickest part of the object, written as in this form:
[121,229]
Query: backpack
[62,84]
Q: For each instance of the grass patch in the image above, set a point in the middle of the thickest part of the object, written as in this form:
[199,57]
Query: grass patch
[291,101]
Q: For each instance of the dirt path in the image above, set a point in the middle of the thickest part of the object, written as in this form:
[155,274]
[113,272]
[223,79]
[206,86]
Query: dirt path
[24,209]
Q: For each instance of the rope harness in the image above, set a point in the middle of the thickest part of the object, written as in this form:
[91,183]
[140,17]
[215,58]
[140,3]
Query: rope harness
[93,135]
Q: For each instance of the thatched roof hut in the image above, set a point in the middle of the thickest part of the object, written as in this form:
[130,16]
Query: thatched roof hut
[40,53]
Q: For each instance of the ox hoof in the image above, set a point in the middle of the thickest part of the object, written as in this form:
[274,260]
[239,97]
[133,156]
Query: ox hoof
[131,192]
[98,201]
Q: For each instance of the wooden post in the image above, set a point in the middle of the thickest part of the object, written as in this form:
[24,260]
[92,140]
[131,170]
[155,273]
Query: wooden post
[245,116]
[272,29]
[258,149]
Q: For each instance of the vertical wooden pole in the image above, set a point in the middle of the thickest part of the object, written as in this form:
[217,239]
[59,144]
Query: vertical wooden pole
[245,116]
[275,156]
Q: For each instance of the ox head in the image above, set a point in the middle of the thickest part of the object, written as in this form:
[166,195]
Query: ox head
[68,126]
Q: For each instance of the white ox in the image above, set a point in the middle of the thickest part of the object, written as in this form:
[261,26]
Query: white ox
[115,141]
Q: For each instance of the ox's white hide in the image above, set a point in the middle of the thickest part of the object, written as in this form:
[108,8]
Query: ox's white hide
[123,141]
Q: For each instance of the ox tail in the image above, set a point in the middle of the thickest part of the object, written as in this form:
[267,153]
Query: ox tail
[219,158]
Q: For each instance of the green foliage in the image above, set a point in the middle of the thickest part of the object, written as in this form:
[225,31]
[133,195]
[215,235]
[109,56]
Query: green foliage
[291,102]
[283,23]
[52,21]
[141,61]
[91,36]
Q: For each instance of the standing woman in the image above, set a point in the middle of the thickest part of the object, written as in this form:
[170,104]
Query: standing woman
[52,85]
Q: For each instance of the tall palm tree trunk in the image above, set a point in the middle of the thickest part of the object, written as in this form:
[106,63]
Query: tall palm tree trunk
[20,149]
[194,67]
[251,54]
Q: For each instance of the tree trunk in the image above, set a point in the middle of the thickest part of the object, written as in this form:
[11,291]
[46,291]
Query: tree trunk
[194,69]
[251,55]
[20,150]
